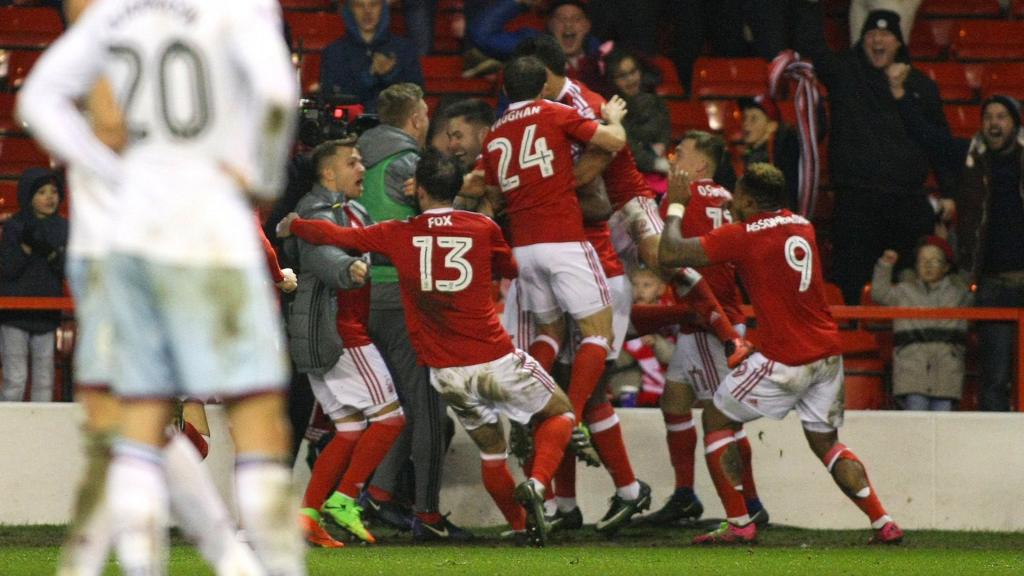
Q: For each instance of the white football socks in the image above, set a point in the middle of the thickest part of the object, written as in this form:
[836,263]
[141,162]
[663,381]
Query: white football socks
[137,496]
[267,512]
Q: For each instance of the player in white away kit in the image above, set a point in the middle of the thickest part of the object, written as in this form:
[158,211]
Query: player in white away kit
[207,92]
[799,367]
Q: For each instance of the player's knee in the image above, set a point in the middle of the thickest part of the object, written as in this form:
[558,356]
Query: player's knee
[675,400]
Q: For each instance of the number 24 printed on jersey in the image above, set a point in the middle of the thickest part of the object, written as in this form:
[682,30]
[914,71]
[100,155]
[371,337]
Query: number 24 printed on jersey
[531,153]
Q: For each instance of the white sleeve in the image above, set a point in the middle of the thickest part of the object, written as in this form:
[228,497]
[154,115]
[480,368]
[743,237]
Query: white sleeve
[258,45]
[46,102]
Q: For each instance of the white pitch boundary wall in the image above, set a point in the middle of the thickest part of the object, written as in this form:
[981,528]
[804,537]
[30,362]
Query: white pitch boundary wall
[950,471]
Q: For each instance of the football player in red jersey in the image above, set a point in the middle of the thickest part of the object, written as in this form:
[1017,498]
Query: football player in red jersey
[698,363]
[800,366]
[445,260]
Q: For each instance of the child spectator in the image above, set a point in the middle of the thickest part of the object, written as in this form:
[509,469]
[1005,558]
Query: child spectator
[928,362]
[31,264]
[766,138]
[639,375]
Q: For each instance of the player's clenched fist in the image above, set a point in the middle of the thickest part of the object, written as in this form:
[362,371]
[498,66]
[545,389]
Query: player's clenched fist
[284,227]
[289,283]
[614,110]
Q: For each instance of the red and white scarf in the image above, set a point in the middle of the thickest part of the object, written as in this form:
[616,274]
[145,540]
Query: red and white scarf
[788,65]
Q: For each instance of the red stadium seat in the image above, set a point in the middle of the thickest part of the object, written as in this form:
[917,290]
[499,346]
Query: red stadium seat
[670,84]
[687,115]
[951,78]
[864,392]
[19,62]
[20,153]
[313,31]
[1003,78]
[988,40]
[309,71]
[309,5]
[930,38]
[7,121]
[837,34]
[729,77]
[449,28]
[443,75]
[960,9]
[964,119]
[29,27]
[8,196]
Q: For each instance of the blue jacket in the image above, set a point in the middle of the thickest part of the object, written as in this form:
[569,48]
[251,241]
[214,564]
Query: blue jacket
[40,273]
[346,63]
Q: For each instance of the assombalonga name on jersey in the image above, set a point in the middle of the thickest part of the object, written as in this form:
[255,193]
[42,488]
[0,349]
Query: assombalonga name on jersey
[776,221]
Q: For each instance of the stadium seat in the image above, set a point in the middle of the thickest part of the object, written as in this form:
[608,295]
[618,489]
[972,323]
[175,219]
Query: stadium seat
[18,154]
[687,115]
[443,75]
[7,121]
[29,27]
[308,5]
[449,28]
[929,39]
[951,77]
[8,196]
[864,391]
[837,34]
[19,62]
[1003,78]
[670,84]
[309,71]
[964,119]
[313,31]
[729,77]
[960,9]
[988,40]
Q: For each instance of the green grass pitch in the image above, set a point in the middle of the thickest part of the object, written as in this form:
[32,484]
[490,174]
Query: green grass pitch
[642,551]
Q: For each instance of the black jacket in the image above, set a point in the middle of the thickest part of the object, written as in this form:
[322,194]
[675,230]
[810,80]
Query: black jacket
[40,273]
[869,146]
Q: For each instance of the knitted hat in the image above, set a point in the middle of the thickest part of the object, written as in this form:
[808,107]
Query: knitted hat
[939,243]
[883,20]
[1010,103]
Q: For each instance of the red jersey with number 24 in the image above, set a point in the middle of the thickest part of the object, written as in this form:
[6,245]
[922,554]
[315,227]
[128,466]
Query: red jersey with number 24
[444,260]
[777,259]
[528,154]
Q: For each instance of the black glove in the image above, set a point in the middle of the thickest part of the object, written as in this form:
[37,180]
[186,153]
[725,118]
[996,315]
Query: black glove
[34,237]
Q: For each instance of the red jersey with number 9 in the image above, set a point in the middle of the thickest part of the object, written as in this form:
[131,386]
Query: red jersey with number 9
[777,259]
[444,259]
[528,154]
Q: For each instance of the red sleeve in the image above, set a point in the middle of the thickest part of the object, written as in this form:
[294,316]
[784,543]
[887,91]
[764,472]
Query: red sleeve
[490,178]
[725,244]
[318,232]
[576,126]
[271,255]
[503,264]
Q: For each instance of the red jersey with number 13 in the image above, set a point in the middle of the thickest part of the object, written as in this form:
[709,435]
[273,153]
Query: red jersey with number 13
[777,259]
[528,154]
[444,260]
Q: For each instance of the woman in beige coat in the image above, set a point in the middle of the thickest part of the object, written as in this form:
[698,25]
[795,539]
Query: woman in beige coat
[928,361]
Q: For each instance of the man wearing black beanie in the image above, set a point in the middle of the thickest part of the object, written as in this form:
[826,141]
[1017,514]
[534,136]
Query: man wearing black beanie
[990,221]
[877,171]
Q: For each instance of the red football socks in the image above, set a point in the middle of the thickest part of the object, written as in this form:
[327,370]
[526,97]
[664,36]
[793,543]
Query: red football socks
[606,435]
[500,485]
[587,369]
[565,477]
[867,499]
[544,350]
[681,435]
[549,442]
[716,444]
[746,454]
[369,451]
[329,467]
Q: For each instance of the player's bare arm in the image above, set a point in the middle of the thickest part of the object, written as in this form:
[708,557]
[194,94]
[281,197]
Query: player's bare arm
[592,163]
[611,136]
[594,202]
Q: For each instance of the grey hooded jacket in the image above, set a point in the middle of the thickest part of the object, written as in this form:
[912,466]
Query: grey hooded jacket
[313,339]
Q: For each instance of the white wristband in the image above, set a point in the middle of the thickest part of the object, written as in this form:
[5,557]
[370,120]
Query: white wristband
[676,210]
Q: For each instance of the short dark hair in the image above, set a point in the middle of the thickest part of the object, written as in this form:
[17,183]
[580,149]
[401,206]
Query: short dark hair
[710,145]
[524,78]
[546,49]
[396,103]
[328,149]
[472,110]
[440,175]
[765,184]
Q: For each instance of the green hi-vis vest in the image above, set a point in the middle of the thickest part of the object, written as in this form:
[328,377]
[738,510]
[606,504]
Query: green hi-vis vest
[382,208]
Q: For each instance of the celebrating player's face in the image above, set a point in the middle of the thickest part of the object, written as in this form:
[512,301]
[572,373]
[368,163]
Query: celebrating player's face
[345,170]
[464,139]
[688,159]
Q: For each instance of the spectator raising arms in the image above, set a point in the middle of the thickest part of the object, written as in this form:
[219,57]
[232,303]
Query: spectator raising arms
[32,264]
[368,58]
